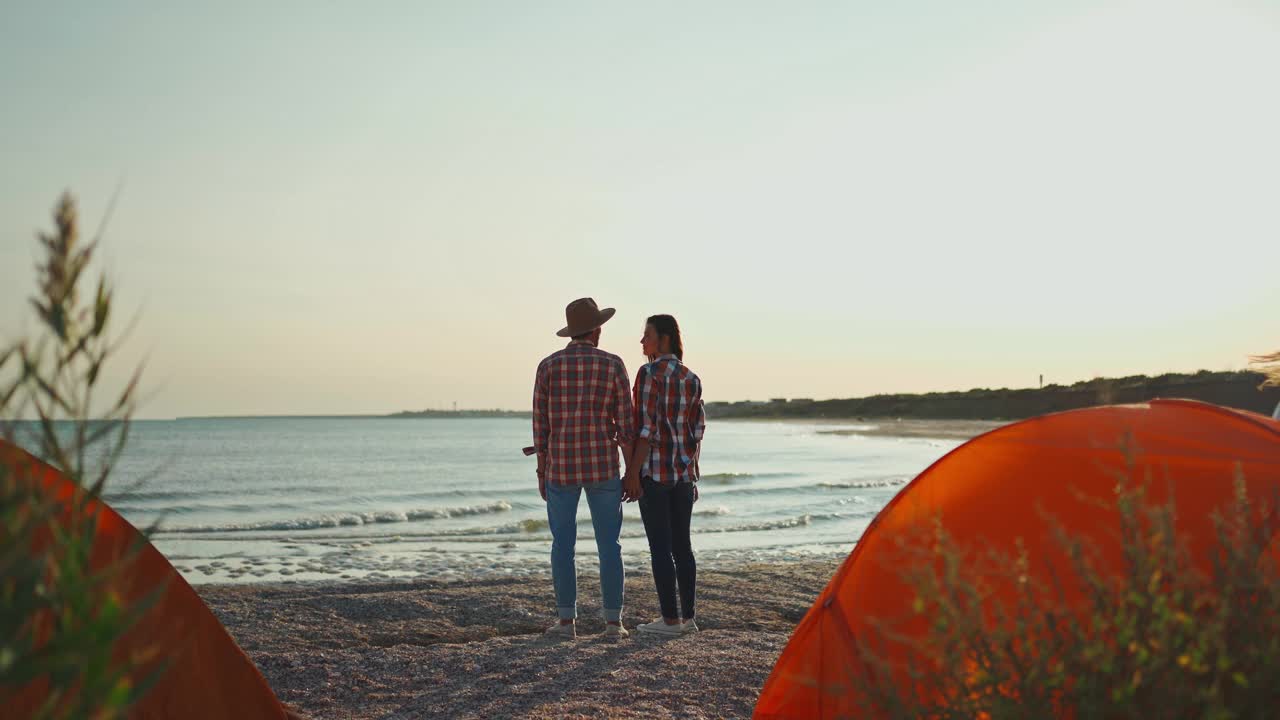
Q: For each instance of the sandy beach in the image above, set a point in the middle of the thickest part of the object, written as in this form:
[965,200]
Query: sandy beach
[474,649]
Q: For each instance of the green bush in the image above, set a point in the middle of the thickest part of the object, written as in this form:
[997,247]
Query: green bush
[59,618]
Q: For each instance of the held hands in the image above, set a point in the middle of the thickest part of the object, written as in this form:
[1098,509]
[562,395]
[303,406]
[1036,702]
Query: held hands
[631,490]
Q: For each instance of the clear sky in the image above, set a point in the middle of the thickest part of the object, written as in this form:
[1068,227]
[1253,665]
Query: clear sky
[375,206]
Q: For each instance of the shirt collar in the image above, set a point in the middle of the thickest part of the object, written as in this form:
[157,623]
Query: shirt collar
[668,356]
[581,342]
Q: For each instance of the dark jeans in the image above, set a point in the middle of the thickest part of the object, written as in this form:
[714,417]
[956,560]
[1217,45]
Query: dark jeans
[666,510]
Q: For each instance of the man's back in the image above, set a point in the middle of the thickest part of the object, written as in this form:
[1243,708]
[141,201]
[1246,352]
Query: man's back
[581,413]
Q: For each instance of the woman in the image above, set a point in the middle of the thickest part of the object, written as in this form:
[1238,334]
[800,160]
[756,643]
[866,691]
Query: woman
[664,469]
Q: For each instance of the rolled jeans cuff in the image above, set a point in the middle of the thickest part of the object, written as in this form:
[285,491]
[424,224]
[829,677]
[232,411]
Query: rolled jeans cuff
[569,613]
[613,615]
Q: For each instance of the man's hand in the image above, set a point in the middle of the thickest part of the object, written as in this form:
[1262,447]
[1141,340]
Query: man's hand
[631,490]
[542,477]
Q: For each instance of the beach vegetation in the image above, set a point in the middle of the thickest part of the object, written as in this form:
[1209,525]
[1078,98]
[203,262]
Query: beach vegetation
[1164,633]
[60,616]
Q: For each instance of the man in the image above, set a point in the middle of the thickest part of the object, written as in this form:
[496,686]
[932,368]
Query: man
[582,414]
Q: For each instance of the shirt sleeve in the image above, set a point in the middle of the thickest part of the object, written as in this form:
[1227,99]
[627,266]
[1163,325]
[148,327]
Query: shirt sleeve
[647,404]
[699,416]
[624,414]
[541,412]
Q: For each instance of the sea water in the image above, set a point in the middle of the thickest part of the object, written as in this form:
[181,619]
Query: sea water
[257,500]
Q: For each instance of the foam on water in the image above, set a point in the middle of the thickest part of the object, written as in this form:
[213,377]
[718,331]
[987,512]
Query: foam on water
[858,484]
[725,478]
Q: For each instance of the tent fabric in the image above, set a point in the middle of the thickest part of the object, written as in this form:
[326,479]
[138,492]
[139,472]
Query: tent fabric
[994,490]
[206,675]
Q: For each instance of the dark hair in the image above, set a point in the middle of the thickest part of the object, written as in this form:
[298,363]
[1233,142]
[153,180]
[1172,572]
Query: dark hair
[666,326]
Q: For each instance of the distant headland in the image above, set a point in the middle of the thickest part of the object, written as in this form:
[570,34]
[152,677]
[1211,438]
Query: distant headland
[1236,389]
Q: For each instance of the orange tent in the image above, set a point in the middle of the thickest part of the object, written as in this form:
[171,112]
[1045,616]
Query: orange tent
[990,490]
[207,674]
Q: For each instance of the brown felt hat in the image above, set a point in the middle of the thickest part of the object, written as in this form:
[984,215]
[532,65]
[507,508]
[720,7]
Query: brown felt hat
[582,316]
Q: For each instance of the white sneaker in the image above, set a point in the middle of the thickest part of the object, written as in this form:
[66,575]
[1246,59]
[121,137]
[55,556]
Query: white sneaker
[661,628]
[614,632]
[688,626]
[562,632]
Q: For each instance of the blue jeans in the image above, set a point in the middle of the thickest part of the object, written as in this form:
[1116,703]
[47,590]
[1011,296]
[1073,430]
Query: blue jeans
[605,503]
[666,511]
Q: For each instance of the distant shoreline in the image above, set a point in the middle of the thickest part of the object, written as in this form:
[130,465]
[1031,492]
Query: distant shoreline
[936,428]
[1236,389]
[525,415]
[410,415]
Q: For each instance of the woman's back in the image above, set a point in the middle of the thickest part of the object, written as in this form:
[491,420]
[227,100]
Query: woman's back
[669,410]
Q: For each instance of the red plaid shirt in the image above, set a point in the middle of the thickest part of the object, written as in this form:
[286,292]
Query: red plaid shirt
[581,414]
[668,398]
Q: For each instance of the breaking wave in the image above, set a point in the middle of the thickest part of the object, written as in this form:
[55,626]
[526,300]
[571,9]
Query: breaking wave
[333,520]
